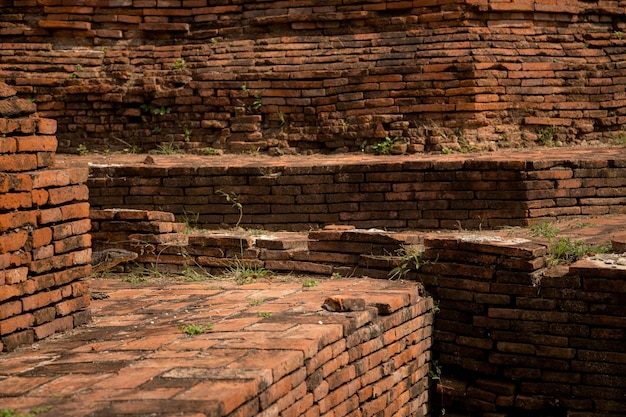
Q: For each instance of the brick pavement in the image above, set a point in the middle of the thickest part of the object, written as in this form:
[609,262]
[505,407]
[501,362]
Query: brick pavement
[272,349]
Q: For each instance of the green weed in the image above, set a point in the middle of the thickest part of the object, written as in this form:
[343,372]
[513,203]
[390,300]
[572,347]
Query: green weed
[310,283]
[544,229]
[265,314]
[168,149]
[195,329]
[243,274]
[186,134]
[82,149]
[565,251]
[191,221]
[384,147]
[255,301]
[547,135]
[234,199]
[210,151]
[8,412]
[179,64]
[410,259]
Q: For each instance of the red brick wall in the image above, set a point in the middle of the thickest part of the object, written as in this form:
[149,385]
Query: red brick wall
[269,75]
[44,229]
[519,337]
[369,191]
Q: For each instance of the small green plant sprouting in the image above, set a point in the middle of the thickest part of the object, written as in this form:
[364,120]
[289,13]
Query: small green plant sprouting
[435,375]
[446,151]
[282,118]
[157,111]
[186,134]
[436,308]
[132,149]
[410,259]
[384,147]
[190,220]
[82,149]
[336,275]
[210,151]
[32,413]
[620,138]
[466,147]
[214,40]
[435,371]
[190,274]
[244,274]
[134,278]
[544,229]
[255,301]
[77,68]
[257,103]
[161,111]
[547,135]
[12,413]
[310,283]
[167,149]
[619,34]
[179,64]
[265,314]
[258,100]
[565,250]
[195,329]
[234,199]
[156,130]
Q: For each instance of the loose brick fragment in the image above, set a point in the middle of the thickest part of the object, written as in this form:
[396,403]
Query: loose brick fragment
[339,304]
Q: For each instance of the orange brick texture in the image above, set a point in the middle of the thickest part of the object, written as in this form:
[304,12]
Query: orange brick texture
[45,247]
[410,192]
[510,335]
[337,76]
[296,360]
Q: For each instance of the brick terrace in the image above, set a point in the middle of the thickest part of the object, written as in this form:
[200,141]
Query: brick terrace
[133,359]
[393,192]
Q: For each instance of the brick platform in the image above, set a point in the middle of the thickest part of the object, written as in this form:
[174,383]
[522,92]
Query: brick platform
[477,190]
[272,349]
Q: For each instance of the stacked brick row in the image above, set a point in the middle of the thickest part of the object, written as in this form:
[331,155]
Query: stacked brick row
[379,367]
[45,247]
[523,338]
[394,193]
[266,75]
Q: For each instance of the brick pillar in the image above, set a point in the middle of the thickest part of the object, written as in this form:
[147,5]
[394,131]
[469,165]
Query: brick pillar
[45,246]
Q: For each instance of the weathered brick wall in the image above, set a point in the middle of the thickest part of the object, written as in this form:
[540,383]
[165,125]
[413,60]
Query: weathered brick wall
[469,191]
[521,338]
[510,336]
[44,229]
[267,75]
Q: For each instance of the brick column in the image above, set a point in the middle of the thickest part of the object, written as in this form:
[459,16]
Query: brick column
[45,246]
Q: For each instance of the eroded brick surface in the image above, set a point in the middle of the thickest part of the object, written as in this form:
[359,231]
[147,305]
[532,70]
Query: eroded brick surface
[486,190]
[286,77]
[135,358]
